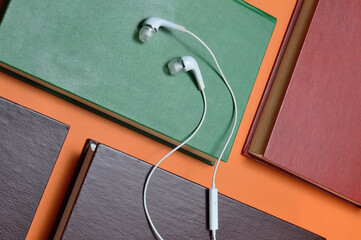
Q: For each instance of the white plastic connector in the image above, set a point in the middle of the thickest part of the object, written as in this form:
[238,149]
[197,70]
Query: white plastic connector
[190,64]
[156,22]
[213,209]
[151,26]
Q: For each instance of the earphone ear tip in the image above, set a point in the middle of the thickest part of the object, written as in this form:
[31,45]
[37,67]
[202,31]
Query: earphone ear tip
[175,66]
[146,33]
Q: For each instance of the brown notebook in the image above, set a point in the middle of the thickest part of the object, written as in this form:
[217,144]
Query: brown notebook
[29,146]
[315,136]
[109,205]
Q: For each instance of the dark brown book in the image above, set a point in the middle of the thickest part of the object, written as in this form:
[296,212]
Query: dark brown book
[3,6]
[106,203]
[29,146]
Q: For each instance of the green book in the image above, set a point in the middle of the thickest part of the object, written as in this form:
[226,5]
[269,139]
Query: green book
[89,51]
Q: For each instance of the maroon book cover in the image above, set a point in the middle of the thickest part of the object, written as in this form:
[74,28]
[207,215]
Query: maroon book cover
[272,76]
[317,134]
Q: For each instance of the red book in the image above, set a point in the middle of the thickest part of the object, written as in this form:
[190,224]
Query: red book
[317,132]
[284,63]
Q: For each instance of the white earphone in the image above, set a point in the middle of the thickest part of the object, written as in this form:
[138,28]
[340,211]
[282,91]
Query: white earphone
[151,25]
[149,28]
[186,63]
[175,66]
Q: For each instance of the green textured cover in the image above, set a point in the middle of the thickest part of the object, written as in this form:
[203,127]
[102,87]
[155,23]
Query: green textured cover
[91,49]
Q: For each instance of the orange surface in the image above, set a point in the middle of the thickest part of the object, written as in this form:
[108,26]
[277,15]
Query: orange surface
[241,178]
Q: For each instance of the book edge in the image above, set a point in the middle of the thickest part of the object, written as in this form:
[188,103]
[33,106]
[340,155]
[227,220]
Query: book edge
[76,183]
[272,76]
[209,159]
[294,175]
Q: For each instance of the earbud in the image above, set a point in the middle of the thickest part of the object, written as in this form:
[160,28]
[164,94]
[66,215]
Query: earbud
[186,63]
[151,25]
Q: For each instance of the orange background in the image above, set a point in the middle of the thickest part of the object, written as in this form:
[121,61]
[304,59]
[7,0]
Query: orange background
[240,178]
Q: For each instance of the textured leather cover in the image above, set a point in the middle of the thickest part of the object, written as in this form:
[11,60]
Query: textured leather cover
[29,146]
[317,132]
[3,6]
[90,49]
[109,206]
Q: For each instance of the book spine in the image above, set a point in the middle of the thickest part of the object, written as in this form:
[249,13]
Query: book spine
[272,76]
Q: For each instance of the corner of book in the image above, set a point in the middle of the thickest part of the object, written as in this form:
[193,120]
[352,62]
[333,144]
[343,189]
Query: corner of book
[258,11]
[3,8]
[73,188]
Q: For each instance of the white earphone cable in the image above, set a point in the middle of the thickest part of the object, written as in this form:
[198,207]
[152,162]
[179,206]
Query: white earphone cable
[234,123]
[161,160]
[233,99]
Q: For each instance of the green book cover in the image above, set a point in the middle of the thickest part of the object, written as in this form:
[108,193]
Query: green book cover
[90,51]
